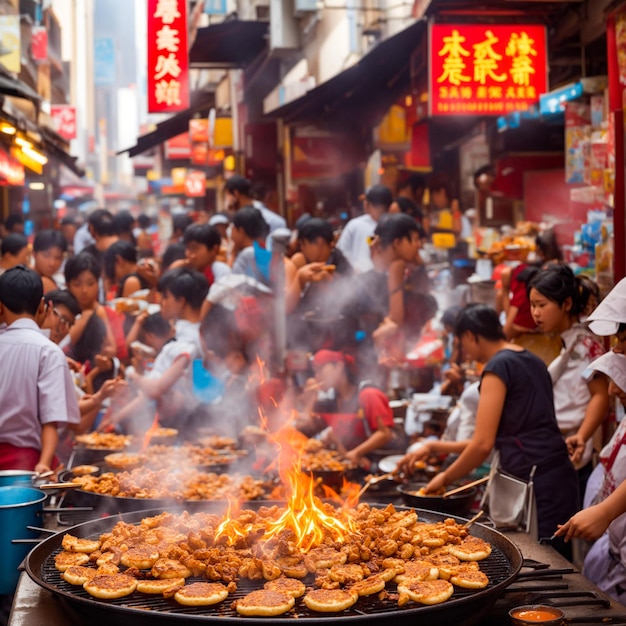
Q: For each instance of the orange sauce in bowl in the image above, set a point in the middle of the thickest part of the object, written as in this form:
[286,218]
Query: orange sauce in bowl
[536,615]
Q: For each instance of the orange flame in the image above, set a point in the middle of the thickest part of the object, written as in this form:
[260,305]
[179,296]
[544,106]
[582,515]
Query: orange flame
[150,433]
[261,365]
[307,517]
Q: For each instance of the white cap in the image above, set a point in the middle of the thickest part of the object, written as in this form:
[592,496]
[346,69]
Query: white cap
[614,366]
[610,313]
[218,218]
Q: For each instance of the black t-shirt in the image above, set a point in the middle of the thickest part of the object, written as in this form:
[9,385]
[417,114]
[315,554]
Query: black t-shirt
[528,435]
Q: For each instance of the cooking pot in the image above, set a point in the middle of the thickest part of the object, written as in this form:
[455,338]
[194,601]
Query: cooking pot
[20,507]
[16,477]
[458,504]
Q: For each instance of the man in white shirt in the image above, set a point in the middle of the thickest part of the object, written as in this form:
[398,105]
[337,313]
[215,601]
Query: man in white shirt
[36,389]
[354,241]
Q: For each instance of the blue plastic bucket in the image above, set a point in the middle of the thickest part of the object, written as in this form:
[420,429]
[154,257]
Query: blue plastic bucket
[19,507]
[22,478]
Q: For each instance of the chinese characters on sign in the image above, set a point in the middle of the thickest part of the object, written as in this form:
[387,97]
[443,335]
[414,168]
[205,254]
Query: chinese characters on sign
[486,69]
[168,59]
[64,118]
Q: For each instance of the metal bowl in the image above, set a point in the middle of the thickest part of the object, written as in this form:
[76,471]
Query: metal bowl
[532,614]
[458,504]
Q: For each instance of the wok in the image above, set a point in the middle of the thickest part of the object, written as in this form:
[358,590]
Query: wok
[457,504]
[465,608]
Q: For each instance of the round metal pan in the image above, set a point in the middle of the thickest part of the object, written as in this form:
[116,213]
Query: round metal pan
[465,608]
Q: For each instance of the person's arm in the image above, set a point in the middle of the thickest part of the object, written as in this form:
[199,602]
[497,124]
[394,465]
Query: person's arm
[154,388]
[312,272]
[591,522]
[407,463]
[135,329]
[49,441]
[595,414]
[131,284]
[77,330]
[505,289]
[109,346]
[136,405]
[488,415]
[510,328]
[395,282]
[378,439]
[89,405]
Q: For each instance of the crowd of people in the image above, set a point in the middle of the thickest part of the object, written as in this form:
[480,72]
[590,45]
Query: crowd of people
[116,330]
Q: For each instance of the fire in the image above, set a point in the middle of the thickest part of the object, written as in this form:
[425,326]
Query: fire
[261,365]
[150,433]
[306,516]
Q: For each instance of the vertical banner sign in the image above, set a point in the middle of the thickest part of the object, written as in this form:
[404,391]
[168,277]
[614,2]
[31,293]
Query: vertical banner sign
[64,119]
[486,69]
[168,57]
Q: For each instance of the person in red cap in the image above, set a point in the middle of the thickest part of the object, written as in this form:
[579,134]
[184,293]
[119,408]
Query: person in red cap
[359,419]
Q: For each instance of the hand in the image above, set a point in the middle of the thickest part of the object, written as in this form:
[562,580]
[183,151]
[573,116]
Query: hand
[150,273]
[104,363]
[454,373]
[587,524]
[74,366]
[575,447]
[406,465]
[438,483]
[140,319]
[386,330]
[40,468]
[313,273]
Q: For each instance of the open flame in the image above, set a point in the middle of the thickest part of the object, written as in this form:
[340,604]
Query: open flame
[150,433]
[306,516]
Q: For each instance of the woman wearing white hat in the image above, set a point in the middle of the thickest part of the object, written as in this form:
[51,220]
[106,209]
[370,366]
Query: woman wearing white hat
[604,519]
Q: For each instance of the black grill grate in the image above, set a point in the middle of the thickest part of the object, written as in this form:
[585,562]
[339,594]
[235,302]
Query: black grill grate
[497,568]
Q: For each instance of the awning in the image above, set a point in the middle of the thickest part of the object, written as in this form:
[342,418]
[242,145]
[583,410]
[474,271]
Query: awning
[201,103]
[53,145]
[228,44]
[362,93]
[73,186]
[13,87]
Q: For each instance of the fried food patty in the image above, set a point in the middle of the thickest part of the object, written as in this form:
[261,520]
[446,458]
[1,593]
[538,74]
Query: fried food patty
[170,568]
[471,549]
[417,570]
[265,603]
[290,586]
[63,560]
[201,594]
[427,591]
[141,556]
[330,600]
[156,586]
[110,586]
[369,586]
[76,544]
[78,574]
[347,573]
[470,579]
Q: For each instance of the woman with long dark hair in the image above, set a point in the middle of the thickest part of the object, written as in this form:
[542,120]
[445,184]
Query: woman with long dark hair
[516,416]
[581,401]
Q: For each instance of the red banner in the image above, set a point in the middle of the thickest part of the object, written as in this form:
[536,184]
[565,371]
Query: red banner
[11,171]
[168,58]
[64,118]
[486,69]
[195,184]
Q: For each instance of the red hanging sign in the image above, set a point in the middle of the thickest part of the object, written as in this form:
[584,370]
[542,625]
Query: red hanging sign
[11,171]
[486,69]
[168,57]
[64,118]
